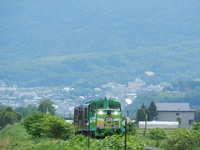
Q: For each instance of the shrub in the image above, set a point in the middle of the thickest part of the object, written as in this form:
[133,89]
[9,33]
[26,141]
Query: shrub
[157,134]
[29,121]
[184,139]
[196,126]
[39,125]
[131,128]
[57,128]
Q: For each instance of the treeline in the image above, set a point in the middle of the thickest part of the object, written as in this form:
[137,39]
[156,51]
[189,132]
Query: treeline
[179,92]
[145,113]
[183,86]
[38,121]
[92,69]
[8,116]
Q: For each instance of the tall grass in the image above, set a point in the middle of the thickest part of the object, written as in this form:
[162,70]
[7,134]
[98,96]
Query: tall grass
[15,137]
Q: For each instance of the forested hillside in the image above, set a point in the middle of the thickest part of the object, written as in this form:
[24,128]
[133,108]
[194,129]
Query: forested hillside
[89,43]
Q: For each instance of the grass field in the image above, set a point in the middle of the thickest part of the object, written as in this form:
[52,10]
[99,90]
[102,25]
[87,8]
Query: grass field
[14,137]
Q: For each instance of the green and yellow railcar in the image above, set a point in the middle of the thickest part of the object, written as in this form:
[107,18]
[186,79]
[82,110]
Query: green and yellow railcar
[99,118]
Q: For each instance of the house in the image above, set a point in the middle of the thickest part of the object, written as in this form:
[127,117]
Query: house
[175,111]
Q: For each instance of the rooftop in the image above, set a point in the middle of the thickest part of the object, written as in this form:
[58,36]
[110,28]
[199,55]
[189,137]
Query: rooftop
[173,107]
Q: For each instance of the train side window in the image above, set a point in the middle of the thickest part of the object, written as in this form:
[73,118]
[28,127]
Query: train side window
[93,107]
[100,106]
[86,113]
[76,113]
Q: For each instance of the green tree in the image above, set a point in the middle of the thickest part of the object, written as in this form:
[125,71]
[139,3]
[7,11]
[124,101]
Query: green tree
[8,116]
[29,120]
[29,110]
[57,128]
[40,124]
[131,128]
[46,106]
[152,111]
[141,114]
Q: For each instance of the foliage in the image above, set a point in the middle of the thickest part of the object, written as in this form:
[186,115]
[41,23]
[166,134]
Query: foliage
[165,96]
[56,128]
[32,120]
[46,106]
[147,113]
[15,137]
[19,139]
[8,116]
[196,126]
[28,110]
[157,134]
[36,61]
[131,128]
[40,125]
[152,111]
[184,139]
[141,115]
[193,96]
[185,86]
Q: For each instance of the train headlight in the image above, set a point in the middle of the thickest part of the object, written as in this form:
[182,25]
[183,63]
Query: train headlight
[116,113]
[100,112]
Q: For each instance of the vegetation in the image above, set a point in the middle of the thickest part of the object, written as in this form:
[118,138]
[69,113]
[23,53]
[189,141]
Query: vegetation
[46,107]
[184,139]
[26,110]
[189,93]
[16,137]
[8,116]
[147,113]
[131,128]
[157,134]
[120,43]
[40,125]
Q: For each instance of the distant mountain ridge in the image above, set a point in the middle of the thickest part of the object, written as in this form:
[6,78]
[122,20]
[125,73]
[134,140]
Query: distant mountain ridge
[92,42]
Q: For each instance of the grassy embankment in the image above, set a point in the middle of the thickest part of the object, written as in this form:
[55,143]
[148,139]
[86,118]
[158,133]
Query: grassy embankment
[15,138]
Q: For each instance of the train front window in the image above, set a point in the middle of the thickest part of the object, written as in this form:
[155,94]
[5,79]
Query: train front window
[100,106]
[111,106]
[117,106]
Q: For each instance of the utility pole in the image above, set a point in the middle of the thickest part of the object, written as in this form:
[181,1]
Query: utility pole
[125,146]
[145,129]
[0,136]
[88,128]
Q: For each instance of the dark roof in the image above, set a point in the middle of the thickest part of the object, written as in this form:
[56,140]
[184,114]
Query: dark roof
[173,107]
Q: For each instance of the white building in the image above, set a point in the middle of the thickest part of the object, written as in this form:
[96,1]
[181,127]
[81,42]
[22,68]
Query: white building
[173,111]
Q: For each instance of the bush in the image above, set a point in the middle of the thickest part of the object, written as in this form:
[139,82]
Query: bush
[196,126]
[8,116]
[131,128]
[39,125]
[30,123]
[56,128]
[157,134]
[184,139]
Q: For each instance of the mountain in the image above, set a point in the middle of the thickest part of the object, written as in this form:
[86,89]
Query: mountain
[91,42]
